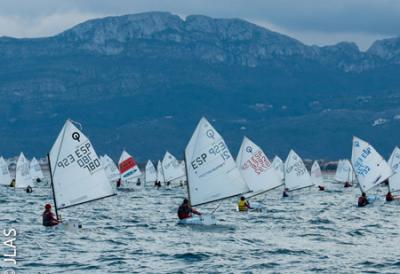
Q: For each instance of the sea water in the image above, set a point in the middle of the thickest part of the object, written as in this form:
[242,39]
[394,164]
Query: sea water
[137,232]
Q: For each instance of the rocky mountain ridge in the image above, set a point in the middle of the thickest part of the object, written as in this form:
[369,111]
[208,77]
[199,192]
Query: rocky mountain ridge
[144,80]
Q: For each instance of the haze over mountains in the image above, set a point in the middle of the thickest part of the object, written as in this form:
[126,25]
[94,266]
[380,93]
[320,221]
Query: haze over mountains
[143,81]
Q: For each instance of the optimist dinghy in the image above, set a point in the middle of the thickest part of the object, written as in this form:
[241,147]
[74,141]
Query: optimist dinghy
[257,171]
[369,166]
[76,173]
[211,171]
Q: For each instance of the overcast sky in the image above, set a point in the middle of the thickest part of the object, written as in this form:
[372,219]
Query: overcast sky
[319,22]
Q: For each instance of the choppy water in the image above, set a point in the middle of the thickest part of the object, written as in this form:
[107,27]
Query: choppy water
[137,231]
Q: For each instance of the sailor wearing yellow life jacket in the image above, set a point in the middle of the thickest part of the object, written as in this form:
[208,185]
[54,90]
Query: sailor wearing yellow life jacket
[243,205]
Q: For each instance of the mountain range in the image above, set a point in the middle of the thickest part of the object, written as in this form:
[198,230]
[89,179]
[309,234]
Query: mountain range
[143,81]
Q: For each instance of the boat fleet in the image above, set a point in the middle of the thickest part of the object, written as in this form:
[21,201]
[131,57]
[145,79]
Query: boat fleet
[209,171]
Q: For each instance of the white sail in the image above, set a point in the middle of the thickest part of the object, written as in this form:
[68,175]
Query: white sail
[5,177]
[279,167]
[339,172]
[182,166]
[160,173]
[110,168]
[344,172]
[351,177]
[128,167]
[150,173]
[394,163]
[77,174]
[36,170]
[171,168]
[296,173]
[256,169]
[22,175]
[316,174]
[211,171]
[369,166]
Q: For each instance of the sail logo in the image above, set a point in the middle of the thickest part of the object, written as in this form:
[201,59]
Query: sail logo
[249,149]
[210,134]
[76,136]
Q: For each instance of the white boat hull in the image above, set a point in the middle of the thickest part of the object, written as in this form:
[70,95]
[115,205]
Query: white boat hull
[199,220]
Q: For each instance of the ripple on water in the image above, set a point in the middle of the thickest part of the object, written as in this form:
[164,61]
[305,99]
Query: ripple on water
[137,231]
[192,256]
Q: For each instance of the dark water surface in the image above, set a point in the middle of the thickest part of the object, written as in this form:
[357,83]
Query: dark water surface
[137,231]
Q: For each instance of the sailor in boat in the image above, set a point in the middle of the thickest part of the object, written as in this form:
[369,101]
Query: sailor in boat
[321,188]
[119,182]
[363,200]
[347,184]
[29,189]
[285,192]
[186,210]
[243,204]
[138,182]
[12,184]
[48,217]
[390,197]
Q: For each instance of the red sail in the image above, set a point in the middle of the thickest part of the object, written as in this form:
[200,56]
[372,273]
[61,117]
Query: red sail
[126,165]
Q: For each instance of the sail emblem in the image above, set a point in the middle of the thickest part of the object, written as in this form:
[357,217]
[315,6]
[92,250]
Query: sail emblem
[356,144]
[76,136]
[210,133]
[249,149]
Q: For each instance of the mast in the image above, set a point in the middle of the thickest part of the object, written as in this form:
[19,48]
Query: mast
[350,173]
[187,177]
[52,185]
[145,174]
